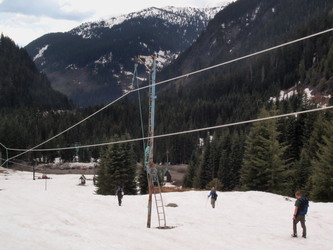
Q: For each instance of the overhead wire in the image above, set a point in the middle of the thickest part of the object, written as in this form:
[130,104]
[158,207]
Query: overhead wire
[169,80]
[190,131]
[246,56]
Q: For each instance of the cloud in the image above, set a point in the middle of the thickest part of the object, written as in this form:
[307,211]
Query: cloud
[26,28]
[46,8]
[83,10]
[107,9]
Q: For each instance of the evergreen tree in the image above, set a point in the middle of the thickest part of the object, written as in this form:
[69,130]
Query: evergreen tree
[263,164]
[129,167]
[322,178]
[236,159]
[214,156]
[205,172]
[191,170]
[117,168]
[309,153]
[225,169]
[216,183]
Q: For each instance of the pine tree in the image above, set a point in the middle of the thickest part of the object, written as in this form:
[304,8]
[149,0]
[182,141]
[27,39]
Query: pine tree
[117,168]
[225,169]
[129,166]
[216,183]
[191,170]
[304,171]
[204,173]
[236,158]
[322,178]
[263,165]
[214,156]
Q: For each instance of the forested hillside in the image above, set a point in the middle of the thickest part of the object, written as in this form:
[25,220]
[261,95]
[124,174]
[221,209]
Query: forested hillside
[21,84]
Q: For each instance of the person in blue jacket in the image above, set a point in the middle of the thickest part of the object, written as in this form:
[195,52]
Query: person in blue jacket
[213,196]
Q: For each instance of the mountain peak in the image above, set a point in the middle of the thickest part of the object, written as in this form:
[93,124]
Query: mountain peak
[173,15]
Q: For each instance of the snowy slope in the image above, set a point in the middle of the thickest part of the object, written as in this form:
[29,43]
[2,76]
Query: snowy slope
[68,216]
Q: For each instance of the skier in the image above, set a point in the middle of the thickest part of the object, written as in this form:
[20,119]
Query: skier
[213,196]
[301,209]
[119,193]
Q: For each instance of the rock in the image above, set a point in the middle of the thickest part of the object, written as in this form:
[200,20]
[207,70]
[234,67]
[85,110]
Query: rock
[172,205]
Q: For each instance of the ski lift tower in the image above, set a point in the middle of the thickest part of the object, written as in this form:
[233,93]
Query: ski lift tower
[153,182]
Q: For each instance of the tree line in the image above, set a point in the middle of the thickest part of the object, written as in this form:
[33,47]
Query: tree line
[278,155]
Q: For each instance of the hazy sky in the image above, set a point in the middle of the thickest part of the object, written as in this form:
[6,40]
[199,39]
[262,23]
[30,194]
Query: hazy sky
[26,20]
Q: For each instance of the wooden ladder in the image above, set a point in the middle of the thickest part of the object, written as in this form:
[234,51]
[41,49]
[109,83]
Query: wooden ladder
[159,202]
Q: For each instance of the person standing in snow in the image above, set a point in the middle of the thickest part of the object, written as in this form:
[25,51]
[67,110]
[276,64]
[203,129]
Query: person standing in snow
[301,208]
[213,196]
[119,193]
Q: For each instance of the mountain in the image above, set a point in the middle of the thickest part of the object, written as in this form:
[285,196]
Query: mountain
[21,83]
[244,27]
[92,63]
[231,93]
[235,91]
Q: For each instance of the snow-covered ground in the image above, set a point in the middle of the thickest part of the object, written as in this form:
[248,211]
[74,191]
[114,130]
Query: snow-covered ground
[59,214]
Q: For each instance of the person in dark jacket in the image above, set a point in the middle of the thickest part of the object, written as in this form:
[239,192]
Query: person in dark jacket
[119,193]
[213,196]
[299,214]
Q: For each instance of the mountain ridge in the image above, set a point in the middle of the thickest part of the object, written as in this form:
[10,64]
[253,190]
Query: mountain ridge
[167,13]
[92,63]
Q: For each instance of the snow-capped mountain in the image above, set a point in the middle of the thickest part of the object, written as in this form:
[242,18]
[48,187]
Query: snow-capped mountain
[171,15]
[92,63]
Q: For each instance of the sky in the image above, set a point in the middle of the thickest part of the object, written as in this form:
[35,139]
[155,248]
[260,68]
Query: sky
[25,20]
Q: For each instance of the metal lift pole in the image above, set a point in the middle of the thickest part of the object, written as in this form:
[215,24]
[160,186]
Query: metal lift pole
[149,150]
[150,146]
